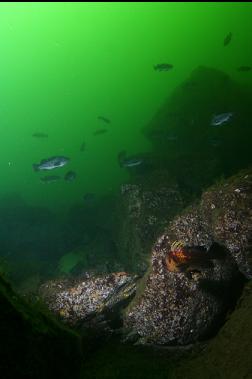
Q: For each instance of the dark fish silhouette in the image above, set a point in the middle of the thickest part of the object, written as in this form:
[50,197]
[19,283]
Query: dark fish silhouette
[70,176]
[215,142]
[163,67]
[104,119]
[244,68]
[164,135]
[189,85]
[50,179]
[227,39]
[40,135]
[89,197]
[100,131]
[83,146]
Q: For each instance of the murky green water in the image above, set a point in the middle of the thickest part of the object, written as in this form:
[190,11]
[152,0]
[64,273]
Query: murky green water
[63,65]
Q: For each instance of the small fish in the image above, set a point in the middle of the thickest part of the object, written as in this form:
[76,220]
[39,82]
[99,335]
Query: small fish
[156,133]
[132,162]
[51,163]
[100,131]
[70,176]
[104,119]
[189,85]
[83,146]
[163,67]
[227,39]
[128,161]
[40,135]
[50,179]
[171,137]
[218,120]
[215,142]
[89,197]
[162,134]
[244,68]
[182,258]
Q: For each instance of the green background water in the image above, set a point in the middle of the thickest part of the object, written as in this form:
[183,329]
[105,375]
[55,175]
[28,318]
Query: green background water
[64,64]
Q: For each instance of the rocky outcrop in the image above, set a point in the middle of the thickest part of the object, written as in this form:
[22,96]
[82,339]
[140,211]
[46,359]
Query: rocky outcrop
[229,354]
[185,306]
[77,301]
[143,211]
[184,141]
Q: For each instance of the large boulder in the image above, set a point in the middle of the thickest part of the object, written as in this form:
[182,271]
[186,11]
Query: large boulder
[229,354]
[78,300]
[181,306]
[182,136]
[144,207]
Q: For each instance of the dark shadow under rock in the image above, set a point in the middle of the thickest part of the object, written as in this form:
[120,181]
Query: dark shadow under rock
[33,345]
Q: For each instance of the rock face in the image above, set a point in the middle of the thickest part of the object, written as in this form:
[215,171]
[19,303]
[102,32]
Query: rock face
[144,209]
[181,134]
[182,307]
[34,345]
[80,300]
[229,354]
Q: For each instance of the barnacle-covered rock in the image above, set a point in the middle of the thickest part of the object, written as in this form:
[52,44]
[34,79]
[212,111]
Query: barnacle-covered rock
[78,300]
[143,211]
[186,301]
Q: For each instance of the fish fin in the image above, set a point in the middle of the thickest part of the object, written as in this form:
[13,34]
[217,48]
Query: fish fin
[35,167]
[121,157]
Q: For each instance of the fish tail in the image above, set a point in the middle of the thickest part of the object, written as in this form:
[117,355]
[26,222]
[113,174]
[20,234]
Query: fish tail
[35,167]
[120,163]
[121,157]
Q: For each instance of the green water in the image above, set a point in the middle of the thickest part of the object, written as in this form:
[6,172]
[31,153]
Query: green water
[64,64]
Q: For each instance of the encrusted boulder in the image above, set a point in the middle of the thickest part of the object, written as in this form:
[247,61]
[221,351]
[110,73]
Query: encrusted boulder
[186,302]
[78,300]
[181,133]
[144,209]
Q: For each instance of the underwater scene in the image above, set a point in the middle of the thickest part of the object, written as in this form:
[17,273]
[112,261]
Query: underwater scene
[126,192]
